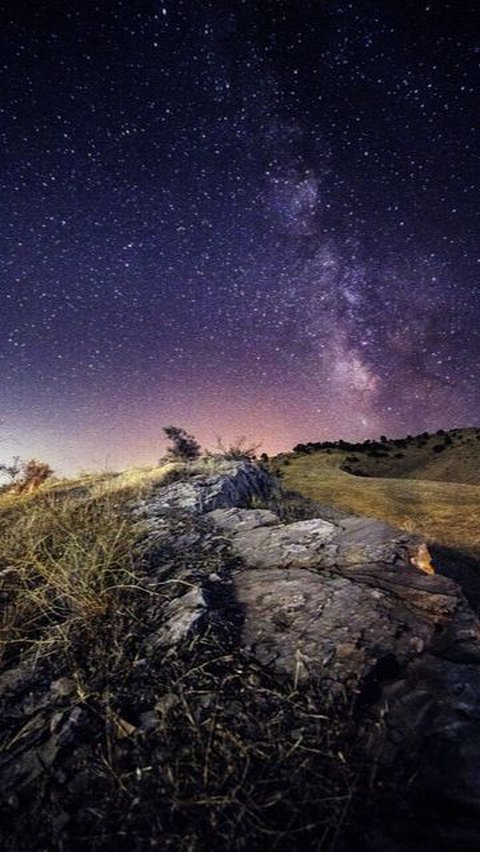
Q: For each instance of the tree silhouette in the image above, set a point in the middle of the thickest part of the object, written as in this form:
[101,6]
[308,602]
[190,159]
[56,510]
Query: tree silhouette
[184,446]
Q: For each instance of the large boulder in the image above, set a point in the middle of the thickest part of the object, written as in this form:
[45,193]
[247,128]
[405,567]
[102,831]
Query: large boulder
[333,601]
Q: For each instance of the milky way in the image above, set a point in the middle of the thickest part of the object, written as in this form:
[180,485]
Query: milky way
[250,217]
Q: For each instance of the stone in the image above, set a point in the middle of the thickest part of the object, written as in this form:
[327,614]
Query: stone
[349,542]
[235,486]
[296,544]
[341,628]
[354,605]
[432,748]
[240,520]
[180,616]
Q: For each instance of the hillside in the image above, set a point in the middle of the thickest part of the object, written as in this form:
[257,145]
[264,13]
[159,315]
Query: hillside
[427,484]
[452,456]
[193,659]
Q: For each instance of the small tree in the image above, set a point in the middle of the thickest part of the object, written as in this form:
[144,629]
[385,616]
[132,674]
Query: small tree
[184,446]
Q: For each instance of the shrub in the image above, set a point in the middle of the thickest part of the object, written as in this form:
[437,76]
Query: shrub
[237,451]
[184,446]
[25,476]
[12,471]
[302,448]
[34,474]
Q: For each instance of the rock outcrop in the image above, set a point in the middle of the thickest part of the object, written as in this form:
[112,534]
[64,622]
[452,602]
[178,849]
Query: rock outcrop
[267,655]
[234,484]
[345,603]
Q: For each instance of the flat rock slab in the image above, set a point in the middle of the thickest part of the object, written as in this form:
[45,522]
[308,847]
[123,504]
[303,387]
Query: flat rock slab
[335,628]
[315,542]
[297,544]
[180,616]
[239,520]
[341,602]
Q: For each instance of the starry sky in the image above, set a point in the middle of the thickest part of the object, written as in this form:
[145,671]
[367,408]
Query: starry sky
[254,217]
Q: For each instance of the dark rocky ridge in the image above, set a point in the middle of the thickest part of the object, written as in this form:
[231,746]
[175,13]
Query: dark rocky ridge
[276,677]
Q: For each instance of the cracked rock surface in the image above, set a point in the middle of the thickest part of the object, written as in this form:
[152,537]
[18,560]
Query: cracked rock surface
[343,603]
[237,485]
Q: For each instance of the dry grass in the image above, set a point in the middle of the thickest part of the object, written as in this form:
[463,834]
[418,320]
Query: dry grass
[136,480]
[66,553]
[445,512]
[256,765]
[64,560]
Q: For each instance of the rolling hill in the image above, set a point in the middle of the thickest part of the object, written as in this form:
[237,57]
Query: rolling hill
[429,484]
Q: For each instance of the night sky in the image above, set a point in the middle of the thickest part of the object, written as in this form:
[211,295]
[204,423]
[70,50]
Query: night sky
[251,217]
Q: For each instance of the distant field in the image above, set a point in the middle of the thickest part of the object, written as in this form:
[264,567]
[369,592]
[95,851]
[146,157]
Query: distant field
[443,511]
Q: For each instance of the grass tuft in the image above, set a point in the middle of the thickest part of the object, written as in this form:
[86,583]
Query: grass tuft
[63,563]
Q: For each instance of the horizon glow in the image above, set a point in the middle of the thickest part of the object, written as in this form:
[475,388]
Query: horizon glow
[242,219]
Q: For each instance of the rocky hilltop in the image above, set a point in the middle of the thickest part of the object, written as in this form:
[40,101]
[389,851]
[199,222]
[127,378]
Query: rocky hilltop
[284,676]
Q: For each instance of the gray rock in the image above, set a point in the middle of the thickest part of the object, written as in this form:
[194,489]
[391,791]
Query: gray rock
[335,627]
[238,520]
[341,602]
[180,616]
[432,747]
[236,485]
[315,542]
[297,544]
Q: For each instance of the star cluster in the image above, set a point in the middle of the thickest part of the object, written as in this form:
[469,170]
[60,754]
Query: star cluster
[255,217]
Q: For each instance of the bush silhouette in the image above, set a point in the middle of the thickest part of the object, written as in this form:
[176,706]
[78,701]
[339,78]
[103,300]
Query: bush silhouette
[184,446]
[238,450]
[25,476]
